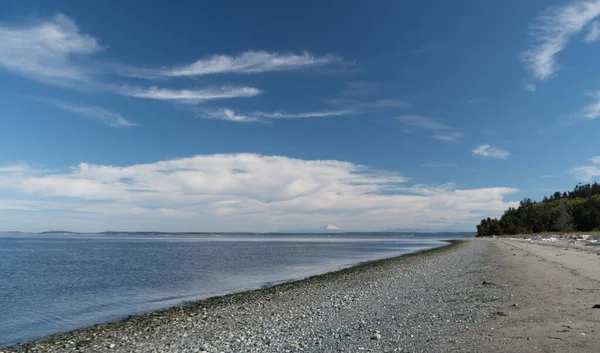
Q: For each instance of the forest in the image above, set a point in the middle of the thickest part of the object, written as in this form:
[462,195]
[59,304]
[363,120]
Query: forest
[573,211]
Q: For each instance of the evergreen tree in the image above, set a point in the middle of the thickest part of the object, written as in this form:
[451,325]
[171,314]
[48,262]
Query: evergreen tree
[577,210]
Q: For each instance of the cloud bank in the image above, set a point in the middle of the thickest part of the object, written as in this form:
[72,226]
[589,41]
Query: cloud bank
[244,192]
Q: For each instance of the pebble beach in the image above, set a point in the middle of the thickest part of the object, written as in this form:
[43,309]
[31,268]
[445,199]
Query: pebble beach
[417,303]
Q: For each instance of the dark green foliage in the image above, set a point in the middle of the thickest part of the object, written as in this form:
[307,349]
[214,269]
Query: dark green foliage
[577,210]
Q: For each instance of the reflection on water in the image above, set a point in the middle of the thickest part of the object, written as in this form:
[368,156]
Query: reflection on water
[52,284]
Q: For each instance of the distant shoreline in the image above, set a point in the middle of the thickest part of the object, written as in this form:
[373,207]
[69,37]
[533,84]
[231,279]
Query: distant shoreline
[236,233]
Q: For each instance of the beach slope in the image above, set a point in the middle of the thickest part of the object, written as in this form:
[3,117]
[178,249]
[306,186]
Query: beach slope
[474,296]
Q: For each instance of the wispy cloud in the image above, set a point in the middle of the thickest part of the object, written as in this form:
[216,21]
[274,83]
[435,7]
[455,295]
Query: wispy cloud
[317,114]
[344,107]
[251,62]
[592,111]
[97,114]
[438,128]
[424,122]
[530,87]
[191,96]
[228,115]
[245,191]
[552,31]
[258,116]
[589,172]
[54,51]
[593,33]
[448,136]
[487,151]
[49,52]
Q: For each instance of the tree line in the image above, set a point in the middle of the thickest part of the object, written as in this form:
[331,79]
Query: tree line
[577,210]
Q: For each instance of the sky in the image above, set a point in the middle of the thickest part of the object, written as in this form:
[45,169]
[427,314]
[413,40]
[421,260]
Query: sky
[268,115]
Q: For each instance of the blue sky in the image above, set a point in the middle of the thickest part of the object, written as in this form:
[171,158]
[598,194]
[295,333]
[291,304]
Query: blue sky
[231,116]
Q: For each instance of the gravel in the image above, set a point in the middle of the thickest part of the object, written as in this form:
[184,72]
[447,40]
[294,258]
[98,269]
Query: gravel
[427,302]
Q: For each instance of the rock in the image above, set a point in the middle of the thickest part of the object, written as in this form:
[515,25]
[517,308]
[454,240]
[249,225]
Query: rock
[112,345]
[376,336]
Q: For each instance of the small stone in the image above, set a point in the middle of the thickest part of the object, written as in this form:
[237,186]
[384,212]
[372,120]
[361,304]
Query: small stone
[376,336]
[112,345]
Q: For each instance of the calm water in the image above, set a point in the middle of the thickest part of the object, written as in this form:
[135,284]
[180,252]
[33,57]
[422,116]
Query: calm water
[52,284]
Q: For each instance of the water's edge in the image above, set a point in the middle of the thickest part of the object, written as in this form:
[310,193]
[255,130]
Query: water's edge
[243,296]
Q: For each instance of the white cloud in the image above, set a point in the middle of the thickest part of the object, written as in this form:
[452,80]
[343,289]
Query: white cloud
[530,87]
[54,51]
[258,116]
[229,115]
[594,33]
[487,151]
[317,114]
[592,111]
[98,114]
[22,168]
[191,96]
[245,192]
[251,62]
[589,172]
[49,52]
[552,32]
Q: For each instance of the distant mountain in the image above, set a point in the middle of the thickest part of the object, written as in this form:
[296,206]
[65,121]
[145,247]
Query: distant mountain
[330,228]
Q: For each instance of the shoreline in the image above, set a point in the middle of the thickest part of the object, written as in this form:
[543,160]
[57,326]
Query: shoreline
[228,299]
[476,295]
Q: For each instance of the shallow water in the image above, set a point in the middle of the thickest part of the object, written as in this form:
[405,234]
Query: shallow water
[51,283]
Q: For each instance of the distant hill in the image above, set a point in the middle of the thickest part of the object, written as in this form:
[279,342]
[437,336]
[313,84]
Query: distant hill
[57,232]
